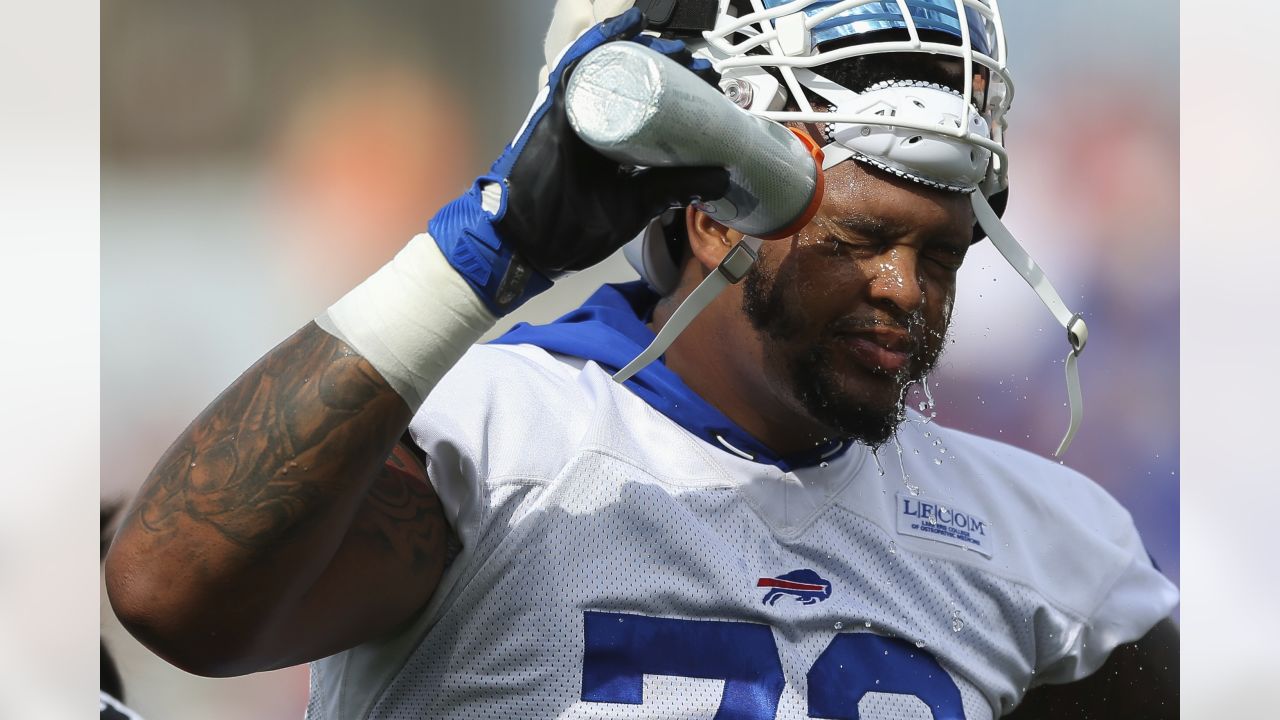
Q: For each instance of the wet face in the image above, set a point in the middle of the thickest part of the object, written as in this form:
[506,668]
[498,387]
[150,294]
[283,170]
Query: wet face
[856,307]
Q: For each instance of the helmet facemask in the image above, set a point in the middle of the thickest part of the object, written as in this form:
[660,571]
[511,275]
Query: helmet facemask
[782,53]
[797,61]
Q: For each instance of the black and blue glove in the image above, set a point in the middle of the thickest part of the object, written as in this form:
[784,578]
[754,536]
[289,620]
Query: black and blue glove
[551,204]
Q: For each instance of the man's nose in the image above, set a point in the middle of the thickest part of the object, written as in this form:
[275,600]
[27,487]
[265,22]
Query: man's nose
[895,281]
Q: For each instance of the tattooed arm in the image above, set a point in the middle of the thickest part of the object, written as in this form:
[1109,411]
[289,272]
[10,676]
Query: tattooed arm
[285,524]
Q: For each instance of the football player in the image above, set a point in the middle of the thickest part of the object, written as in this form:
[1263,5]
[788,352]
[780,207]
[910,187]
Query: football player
[754,527]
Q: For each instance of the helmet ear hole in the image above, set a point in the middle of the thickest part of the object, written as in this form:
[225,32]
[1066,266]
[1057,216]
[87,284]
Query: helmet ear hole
[651,255]
[915,139]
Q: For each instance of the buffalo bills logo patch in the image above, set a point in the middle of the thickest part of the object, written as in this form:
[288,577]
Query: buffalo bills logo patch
[804,586]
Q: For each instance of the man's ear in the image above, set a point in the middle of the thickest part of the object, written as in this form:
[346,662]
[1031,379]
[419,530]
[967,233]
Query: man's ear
[709,241]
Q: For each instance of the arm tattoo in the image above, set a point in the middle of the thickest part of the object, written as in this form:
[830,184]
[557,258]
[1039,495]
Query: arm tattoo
[266,454]
[403,515]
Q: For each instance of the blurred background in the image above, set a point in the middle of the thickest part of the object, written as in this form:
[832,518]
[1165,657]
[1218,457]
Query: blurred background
[259,159]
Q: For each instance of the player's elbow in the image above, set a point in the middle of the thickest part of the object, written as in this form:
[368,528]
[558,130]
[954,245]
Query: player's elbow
[175,622]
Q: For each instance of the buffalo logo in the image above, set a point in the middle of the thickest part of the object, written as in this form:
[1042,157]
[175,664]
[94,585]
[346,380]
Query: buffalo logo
[806,586]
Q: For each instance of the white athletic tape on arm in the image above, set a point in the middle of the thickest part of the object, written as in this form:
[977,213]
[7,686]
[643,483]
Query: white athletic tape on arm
[412,319]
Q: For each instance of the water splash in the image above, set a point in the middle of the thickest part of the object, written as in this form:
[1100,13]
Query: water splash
[902,466]
[928,407]
[928,396]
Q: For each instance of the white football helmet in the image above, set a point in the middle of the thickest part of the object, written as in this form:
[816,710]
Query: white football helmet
[906,125]
[772,56]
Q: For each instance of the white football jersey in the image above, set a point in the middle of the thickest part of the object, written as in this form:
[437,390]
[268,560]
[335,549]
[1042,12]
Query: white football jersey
[615,565]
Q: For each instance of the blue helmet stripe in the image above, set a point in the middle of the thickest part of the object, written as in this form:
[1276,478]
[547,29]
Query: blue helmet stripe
[938,15]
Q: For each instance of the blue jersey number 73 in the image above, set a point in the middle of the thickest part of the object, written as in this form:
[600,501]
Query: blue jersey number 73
[621,649]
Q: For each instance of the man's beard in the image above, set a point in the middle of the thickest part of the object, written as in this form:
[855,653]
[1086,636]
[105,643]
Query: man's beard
[815,382]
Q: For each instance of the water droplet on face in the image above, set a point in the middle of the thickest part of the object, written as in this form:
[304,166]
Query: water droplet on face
[193,464]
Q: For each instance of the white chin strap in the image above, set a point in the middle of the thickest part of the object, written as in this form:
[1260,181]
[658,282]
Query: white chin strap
[730,271]
[1073,323]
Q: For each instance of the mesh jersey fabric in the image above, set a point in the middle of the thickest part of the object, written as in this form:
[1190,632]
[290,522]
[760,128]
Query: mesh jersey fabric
[578,504]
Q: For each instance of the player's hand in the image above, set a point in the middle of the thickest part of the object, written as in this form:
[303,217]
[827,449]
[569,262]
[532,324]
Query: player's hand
[550,204]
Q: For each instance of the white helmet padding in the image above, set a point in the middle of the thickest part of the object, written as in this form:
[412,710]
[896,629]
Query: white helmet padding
[936,160]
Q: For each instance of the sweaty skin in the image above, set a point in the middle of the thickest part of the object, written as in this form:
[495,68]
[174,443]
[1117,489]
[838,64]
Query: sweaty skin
[822,340]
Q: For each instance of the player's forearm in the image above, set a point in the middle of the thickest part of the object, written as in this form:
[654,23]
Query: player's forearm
[248,506]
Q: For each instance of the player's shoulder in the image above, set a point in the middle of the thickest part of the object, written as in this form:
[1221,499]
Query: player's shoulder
[1028,482]
[489,377]
[499,401]
[1052,528]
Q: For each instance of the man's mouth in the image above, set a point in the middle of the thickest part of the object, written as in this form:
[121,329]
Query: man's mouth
[884,351]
